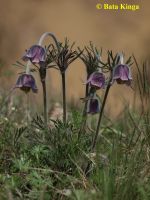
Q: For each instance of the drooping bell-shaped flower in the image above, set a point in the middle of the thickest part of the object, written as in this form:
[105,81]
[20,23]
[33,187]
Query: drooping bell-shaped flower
[122,73]
[93,105]
[36,54]
[26,82]
[97,80]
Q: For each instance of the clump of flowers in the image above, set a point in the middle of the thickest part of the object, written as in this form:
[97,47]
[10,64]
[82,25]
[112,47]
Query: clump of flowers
[119,72]
[99,75]
[59,56]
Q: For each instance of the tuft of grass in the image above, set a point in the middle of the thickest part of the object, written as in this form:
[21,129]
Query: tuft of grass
[39,163]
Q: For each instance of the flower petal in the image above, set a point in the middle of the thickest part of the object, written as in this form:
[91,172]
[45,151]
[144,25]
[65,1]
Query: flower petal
[36,54]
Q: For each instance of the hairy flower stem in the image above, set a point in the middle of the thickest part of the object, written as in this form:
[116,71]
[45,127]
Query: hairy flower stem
[98,124]
[64,96]
[51,35]
[85,105]
[27,109]
[100,118]
[44,101]
[42,72]
[84,114]
[28,67]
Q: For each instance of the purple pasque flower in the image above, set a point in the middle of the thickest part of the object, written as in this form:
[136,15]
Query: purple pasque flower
[26,82]
[96,80]
[93,105]
[36,54]
[122,74]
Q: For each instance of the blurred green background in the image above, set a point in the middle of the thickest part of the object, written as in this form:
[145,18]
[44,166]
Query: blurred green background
[23,21]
